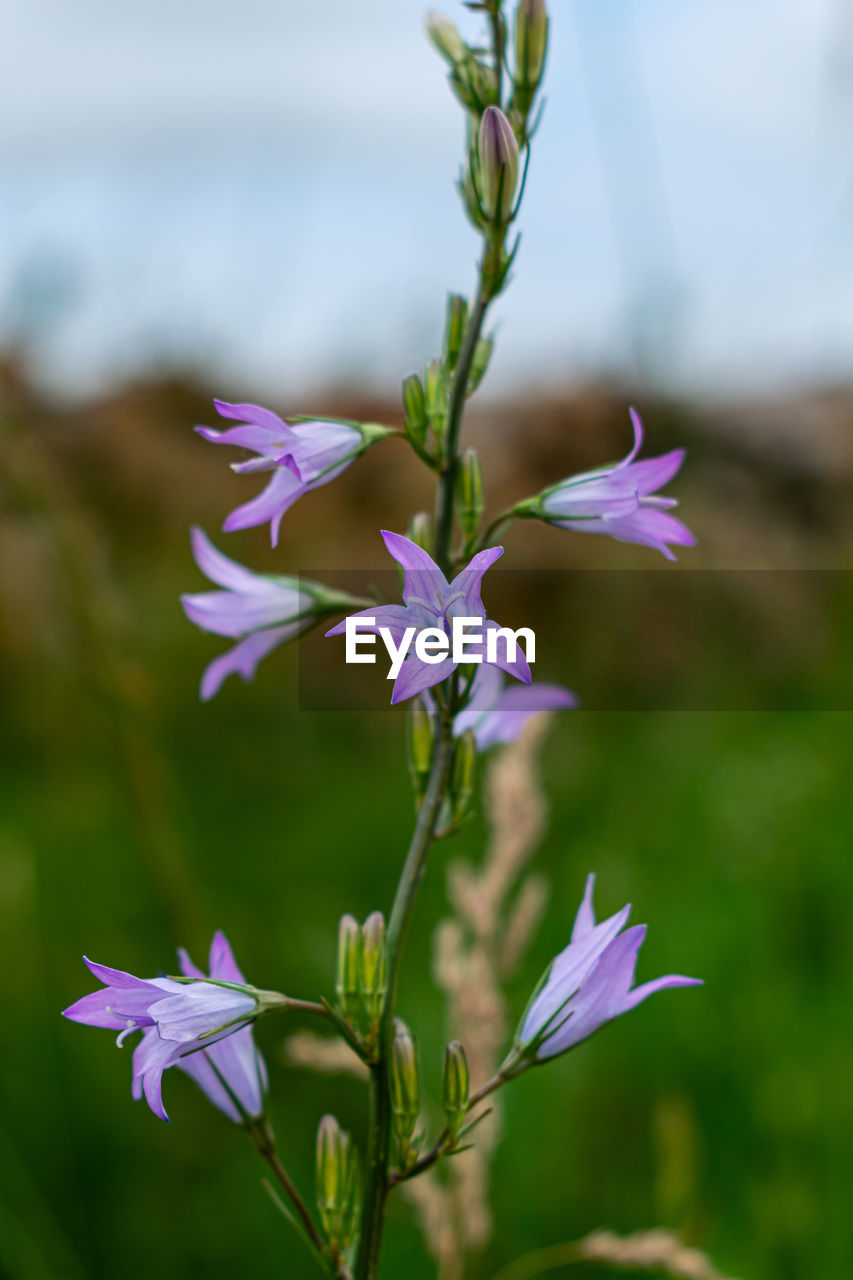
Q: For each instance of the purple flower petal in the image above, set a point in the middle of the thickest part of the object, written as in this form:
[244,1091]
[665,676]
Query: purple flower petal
[641,993]
[254,414]
[585,918]
[602,996]
[269,505]
[423,581]
[221,569]
[415,676]
[517,667]
[395,617]
[654,473]
[221,960]
[469,581]
[243,658]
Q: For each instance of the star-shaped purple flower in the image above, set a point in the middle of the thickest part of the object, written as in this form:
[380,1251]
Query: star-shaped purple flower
[589,984]
[497,713]
[621,501]
[301,457]
[431,602]
[182,1022]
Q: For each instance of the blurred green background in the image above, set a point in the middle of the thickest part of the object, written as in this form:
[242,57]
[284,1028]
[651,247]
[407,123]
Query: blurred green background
[134,818]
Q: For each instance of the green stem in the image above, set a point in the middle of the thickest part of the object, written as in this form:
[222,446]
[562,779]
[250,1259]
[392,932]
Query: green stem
[262,1136]
[373,1218]
[458,392]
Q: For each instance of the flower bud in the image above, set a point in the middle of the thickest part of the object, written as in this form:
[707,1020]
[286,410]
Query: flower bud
[455,1087]
[498,164]
[420,530]
[332,1145]
[373,971]
[420,743]
[454,329]
[531,43]
[435,388]
[404,1086]
[414,408]
[470,492]
[480,363]
[351,1210]
[447,40]
[462,776]
[346,973]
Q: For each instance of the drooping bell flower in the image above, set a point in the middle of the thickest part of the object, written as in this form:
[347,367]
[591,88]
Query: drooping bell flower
[497,713]
[179,1020]
[588,985]
[301,457]
[261,612]
[621,501]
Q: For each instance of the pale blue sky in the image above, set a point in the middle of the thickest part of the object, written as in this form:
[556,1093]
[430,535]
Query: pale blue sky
[263,189]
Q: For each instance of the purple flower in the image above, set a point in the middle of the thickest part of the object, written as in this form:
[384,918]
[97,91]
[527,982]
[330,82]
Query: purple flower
[301,457]
[620,501]
[181,1022]
[263,612]
[589,984]
[498,714]
[430,602]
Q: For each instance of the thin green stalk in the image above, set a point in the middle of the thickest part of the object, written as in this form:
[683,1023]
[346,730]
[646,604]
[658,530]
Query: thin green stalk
[373,1217]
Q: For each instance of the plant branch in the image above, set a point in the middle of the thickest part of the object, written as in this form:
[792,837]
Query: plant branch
[262,1136]
[431,1157]
[373,1217]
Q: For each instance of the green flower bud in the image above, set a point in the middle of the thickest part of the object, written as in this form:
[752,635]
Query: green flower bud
[420,744]
[373,979]
[470,492]
[420,530]
[498,164]
[462,776]
[447,40]
[480,363]
[332,1144]
[435,389]
[531,43]
[454,329]
[346,972]
[404,1086]
[414,408]
[351,1210]
[455,1089]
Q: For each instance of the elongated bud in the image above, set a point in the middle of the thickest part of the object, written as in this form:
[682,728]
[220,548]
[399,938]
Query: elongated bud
[346,974]
[498,162]
[454,329]
[414,408]
[373,972]
[404,1086]
[420,530]
[331,1174]
[351,1211]
[455,1089]
[447,40]
[462,777]
[470,492]
[531,43]
[435,389]
[480,363]
[420,744]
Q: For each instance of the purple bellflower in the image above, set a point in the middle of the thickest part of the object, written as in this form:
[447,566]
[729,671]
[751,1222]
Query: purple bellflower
[186,1024]
[260,612]
[621,500]
[497,713]
[300,457]
[430,602]
[588,985]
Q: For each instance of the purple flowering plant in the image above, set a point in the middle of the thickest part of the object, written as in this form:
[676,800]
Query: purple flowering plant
[203,1023]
